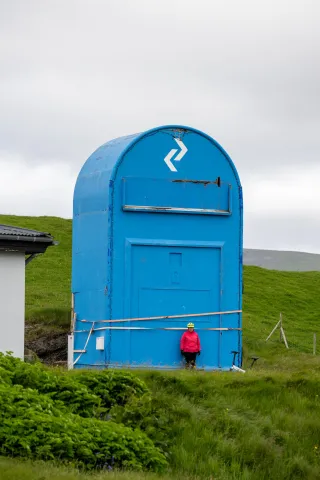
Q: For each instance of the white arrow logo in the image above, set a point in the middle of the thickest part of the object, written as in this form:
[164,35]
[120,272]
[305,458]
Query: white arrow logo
[181,154]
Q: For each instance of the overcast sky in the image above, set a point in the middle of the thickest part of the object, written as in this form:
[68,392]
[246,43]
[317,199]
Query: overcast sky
[76,73]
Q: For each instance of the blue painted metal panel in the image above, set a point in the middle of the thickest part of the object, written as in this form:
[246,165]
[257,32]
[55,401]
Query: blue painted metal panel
[131,259]
[168,280]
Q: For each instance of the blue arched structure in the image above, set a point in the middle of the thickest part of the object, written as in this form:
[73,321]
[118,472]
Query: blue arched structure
[157,232]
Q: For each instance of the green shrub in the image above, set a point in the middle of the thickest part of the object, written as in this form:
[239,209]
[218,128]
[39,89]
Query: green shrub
[88,393]
[60,387]
[113,387]
[16,401]
[36,426]
[127,400]
[5,376]
[38,407]
[152,416]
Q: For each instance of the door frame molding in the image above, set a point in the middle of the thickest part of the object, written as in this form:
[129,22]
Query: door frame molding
[131,242]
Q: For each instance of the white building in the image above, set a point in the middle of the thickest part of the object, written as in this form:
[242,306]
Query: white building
[15,244]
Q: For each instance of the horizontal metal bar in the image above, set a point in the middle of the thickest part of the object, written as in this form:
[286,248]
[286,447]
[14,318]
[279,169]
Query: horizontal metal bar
[154,328]
[165,317]
[175,209]
[81,351]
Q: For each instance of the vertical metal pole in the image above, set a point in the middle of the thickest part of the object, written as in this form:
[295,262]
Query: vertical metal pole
[72,313]
[284,338]
[281,336]
[314,343]
[70,351]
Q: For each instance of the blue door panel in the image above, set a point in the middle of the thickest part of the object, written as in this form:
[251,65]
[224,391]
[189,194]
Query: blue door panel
[168,281]
[210,350]
[174,301]
[118,344]
[157,348]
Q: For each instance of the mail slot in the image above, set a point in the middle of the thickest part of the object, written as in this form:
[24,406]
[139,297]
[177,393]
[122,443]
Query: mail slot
[157,243]
[177,196]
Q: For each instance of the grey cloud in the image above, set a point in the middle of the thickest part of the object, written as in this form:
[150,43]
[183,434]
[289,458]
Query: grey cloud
[289,232]
[76,73]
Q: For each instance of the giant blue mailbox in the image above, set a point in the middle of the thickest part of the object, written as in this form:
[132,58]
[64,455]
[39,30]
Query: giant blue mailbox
[157,242]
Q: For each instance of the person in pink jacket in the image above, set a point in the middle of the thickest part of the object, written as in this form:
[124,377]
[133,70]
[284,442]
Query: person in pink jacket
[190,346]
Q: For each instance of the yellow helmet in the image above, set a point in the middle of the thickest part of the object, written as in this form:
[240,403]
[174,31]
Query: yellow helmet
[190,325]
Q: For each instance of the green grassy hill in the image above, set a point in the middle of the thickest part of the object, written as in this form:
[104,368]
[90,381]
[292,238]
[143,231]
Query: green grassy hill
[264,424]
[266,294]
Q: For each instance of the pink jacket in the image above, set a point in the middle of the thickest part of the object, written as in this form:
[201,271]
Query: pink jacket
[190,342]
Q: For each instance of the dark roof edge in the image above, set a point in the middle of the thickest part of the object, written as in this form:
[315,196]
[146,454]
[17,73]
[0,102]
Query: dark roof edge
[15,239]
[28,239]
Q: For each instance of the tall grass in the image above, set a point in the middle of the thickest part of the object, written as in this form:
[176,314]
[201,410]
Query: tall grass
[295,294]
[24,470]
[264,424]
[257,426]
[253,426]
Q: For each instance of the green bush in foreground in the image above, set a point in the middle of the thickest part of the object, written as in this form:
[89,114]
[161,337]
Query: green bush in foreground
[224,426]
[112,387]
[47,414]
[60,387]
[108,395]
[126,399]
[35,426]
[87,393]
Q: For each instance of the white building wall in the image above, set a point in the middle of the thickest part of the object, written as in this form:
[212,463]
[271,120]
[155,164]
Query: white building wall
[12,298]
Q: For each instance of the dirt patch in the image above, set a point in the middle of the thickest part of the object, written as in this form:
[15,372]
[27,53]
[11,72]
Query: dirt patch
[50,345]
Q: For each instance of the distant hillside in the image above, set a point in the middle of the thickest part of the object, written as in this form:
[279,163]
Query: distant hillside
[284,261]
